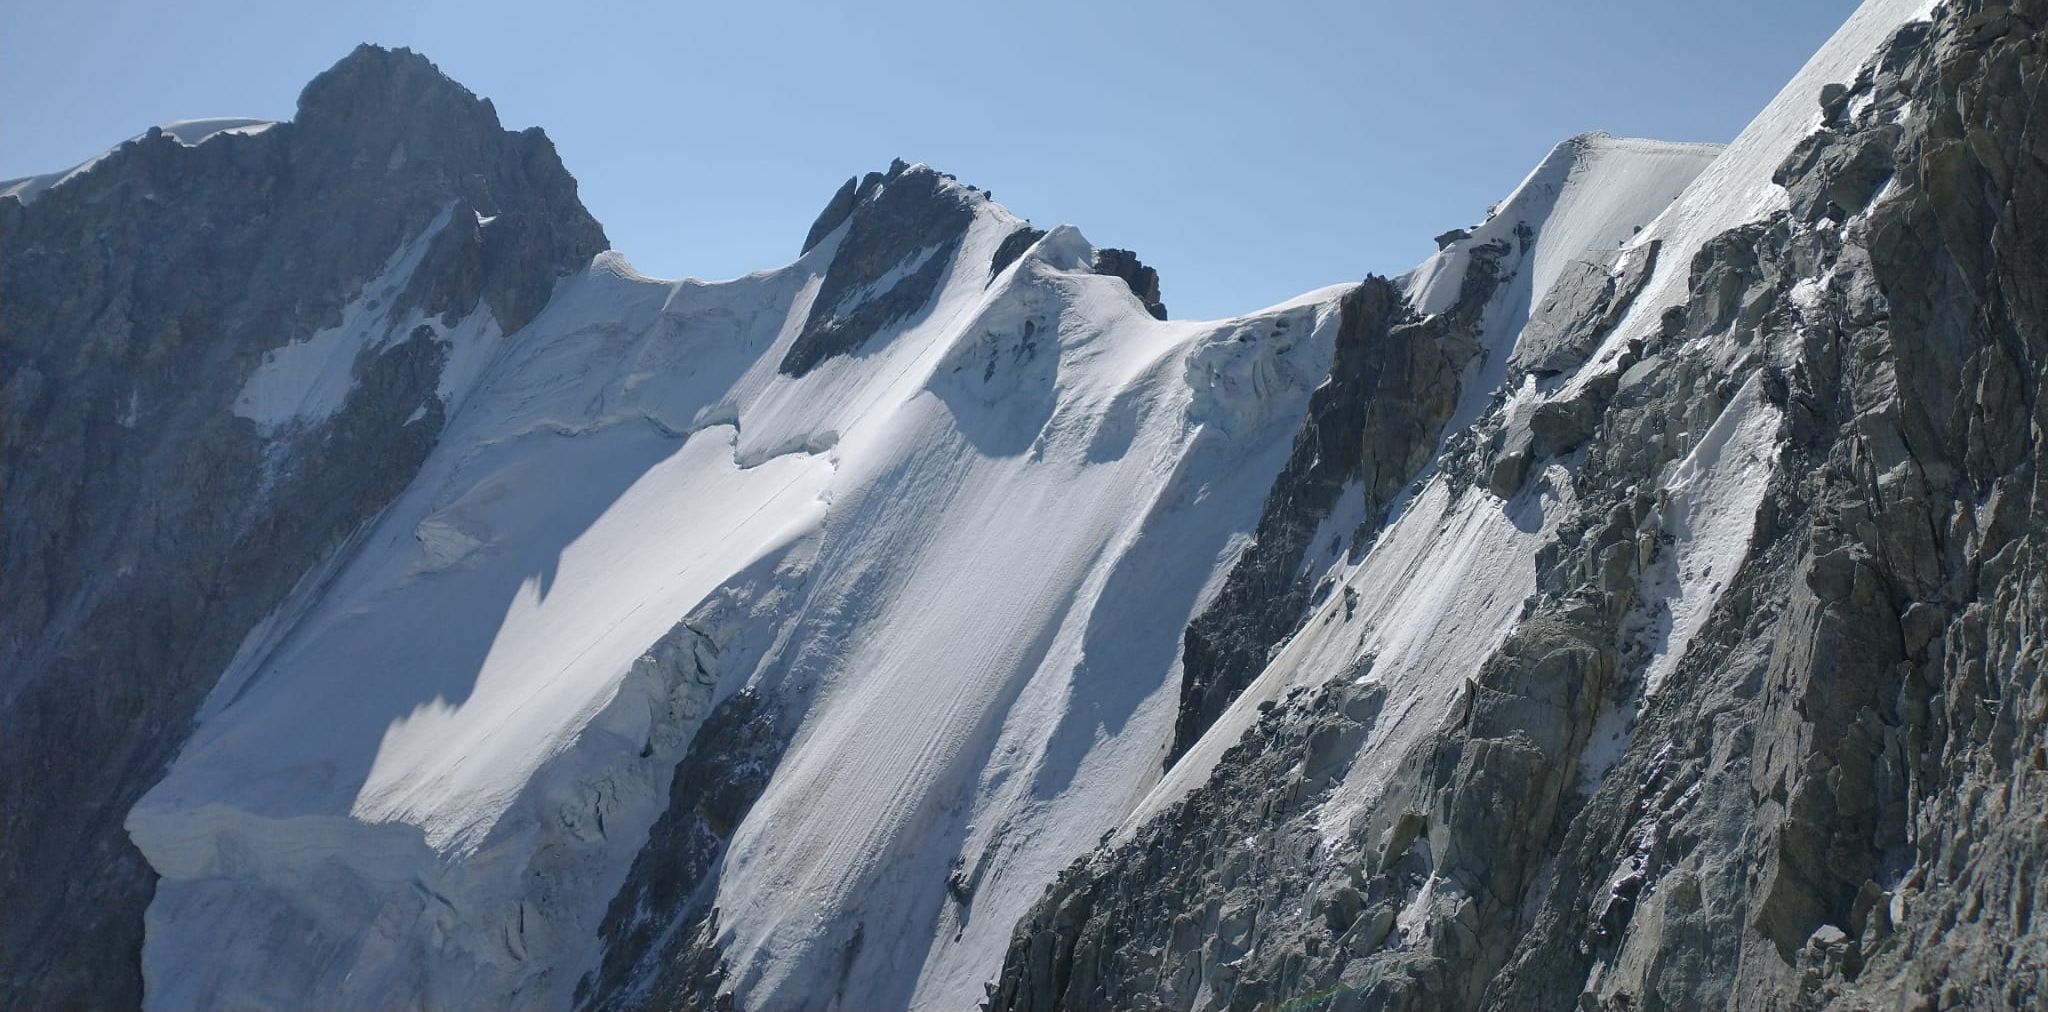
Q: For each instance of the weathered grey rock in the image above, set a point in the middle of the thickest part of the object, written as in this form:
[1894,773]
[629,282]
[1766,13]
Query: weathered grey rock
[1834,800]
[908,221]
[1835,175]
[148,527]
[1394,381]
[660,932]
[1212,894]
[1582,308]
[835,213]
[1556,427]
[1509,470]
[1143,280]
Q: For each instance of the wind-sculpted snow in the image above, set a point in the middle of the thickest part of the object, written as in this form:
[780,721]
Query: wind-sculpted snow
[956,551]
[1007,586]
[973,537]
[971,540]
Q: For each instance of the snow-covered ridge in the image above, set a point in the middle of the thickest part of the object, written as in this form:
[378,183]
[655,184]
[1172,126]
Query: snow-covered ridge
[1737,187]
[962,554]
[1442,587]
[471,720]
[189,132]
[1593,191]
[965,550]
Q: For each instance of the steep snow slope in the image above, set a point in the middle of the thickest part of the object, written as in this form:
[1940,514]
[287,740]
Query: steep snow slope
[1441,586]
[873,570]
[1446,581]
[1738,187]
[196,419]
[962,552]
[1382,816]
[1592,192]
[999,693]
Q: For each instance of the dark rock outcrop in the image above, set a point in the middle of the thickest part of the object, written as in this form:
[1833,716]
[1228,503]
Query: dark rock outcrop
[1394,381]
[1143,280]
[660,932]
[148,527]
[901,233]
[1142,926]
[1013,246]
[834,214]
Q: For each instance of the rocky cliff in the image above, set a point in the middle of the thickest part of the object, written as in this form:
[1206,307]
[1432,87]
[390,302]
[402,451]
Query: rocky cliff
[1805,772]
[151,521]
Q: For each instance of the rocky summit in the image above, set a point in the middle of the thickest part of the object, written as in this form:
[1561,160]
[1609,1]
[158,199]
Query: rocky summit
[1642,603]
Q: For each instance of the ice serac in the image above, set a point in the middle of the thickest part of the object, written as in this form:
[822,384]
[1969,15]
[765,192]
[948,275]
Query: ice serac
[151,525]
[1697,673]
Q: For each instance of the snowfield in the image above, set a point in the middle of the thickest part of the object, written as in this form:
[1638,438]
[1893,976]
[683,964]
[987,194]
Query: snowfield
[964,553]
[968,548]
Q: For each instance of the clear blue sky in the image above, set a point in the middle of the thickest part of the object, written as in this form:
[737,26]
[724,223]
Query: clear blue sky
[1249,151]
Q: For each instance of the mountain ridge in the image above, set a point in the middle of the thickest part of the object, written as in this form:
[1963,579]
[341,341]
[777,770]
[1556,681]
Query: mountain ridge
[1607,611]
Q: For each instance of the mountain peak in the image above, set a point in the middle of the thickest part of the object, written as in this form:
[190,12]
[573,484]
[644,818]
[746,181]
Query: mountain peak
[391,122]
[373,82]
[909,213]
[861,190]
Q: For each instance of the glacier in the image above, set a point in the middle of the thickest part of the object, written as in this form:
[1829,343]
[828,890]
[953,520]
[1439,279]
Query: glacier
[825,637]
[962,552]
[950,541]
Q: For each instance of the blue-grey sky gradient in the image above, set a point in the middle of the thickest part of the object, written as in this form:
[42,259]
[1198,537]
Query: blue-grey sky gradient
[1249,151]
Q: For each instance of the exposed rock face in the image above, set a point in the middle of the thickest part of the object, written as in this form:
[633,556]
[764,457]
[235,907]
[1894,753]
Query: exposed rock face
[1012,247]
[1583,307]
[834,214]
[1374,423]
[660,932]
[901,231]
[1144,281]
[1833,797]
[141,297]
